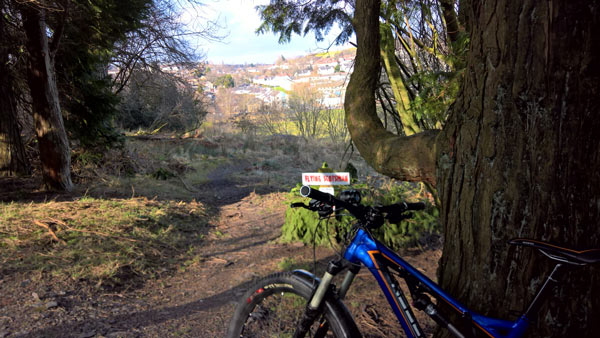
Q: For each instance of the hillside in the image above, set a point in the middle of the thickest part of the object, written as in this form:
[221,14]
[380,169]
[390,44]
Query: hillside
[257,84]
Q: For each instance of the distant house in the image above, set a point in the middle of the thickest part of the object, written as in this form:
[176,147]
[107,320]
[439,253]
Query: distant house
[302,80]
[347,66]
[304,73]
[282,97]
[326,70]
[337,77]
[169,68]
[332,102]
[277,81]
[208,86]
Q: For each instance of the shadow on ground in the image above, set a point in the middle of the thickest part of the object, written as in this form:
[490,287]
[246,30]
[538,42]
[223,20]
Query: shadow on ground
[155,317]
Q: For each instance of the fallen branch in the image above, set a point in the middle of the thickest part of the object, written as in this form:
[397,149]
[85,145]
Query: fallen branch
[99,176]
[50,231]
[67,227]
[371,319]
[187,187]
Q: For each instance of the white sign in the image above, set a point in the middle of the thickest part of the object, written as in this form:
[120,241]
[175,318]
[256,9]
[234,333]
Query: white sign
[328,189]
[325,178]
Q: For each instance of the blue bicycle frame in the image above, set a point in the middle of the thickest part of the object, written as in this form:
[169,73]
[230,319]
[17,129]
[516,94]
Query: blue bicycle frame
[379,259]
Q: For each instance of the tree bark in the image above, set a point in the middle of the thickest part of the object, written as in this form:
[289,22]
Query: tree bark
[50,131]
[518,157]
[399,157]
[451,19]
[13,160]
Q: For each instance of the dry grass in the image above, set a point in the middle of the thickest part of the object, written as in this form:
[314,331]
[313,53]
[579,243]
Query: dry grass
[138,212]
[280,159]
[107,241]
[275,160]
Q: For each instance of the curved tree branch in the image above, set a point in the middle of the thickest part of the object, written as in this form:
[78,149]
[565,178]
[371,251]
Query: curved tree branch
[396,82]
[451,19]
[409,158]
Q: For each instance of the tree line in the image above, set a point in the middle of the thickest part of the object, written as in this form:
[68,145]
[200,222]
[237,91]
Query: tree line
[304,114]
[54,84]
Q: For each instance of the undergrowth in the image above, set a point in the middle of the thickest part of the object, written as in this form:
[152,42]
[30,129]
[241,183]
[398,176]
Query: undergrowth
[304,226]
[123,233]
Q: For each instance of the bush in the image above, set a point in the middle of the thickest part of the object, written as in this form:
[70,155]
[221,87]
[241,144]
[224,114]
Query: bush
[301,224]
[153,100]
[225,81]
[162,174]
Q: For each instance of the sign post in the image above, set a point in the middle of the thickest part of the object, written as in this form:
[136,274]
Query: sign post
[326,179]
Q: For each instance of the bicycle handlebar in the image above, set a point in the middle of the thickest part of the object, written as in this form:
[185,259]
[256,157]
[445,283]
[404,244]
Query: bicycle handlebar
[369,215]
[402,207]
[320,196]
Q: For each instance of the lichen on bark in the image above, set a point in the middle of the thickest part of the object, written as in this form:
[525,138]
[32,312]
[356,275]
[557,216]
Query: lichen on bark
[518,156]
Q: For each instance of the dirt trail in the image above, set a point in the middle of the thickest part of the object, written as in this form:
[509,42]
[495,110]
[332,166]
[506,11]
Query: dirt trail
[196,301]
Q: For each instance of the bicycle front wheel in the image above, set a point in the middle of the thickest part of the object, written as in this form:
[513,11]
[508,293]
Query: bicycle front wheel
[273,307]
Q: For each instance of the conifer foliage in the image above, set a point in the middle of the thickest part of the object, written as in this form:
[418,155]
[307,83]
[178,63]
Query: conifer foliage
[55,55]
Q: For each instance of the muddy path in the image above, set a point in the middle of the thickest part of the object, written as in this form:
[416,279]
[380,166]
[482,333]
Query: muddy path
[198,299]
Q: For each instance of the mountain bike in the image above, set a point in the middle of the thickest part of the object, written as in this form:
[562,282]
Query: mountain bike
[297,303]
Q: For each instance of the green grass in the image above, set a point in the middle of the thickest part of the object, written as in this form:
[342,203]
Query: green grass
[292,129]
[165,167]
[281,89]
[328,54]
[286,264]
[289,264]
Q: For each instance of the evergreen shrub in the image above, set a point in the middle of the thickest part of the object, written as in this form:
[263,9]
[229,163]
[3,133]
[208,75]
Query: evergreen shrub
[301,224]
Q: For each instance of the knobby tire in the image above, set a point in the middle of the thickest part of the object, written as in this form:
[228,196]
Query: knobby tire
[273,307]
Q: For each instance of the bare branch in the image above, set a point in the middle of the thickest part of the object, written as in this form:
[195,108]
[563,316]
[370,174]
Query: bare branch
[58,32]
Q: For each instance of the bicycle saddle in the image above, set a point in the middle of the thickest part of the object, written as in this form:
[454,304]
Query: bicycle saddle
[558,253]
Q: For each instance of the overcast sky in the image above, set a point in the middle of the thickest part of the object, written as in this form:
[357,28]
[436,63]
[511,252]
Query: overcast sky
[240,20]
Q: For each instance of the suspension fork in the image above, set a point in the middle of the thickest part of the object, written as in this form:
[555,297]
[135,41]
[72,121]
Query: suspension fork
[353,270]
[313,308]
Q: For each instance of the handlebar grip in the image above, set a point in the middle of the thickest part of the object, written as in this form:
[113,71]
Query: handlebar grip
[402,207]
[398,212]
[307,191]
[415,206]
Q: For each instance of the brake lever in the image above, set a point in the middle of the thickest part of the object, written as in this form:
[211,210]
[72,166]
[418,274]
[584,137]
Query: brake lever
[395,219]
[314,205]
[298,205]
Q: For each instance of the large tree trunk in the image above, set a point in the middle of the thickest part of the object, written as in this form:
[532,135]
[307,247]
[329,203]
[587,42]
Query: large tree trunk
[518,157]
[522,159]
[51,135]
[13,160]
